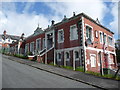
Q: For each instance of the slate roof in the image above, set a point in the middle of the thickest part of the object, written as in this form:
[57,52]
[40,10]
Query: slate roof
[13,37]
[36,32]
[76,16]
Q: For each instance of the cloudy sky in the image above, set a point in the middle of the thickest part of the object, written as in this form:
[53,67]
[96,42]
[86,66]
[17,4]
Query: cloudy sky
[19,17]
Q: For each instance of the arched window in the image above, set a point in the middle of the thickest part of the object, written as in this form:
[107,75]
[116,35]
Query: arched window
[59,55]
[76,54]
[67,55]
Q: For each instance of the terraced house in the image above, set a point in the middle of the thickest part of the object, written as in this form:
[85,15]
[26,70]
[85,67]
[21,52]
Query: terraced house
[78,41]
[6,40]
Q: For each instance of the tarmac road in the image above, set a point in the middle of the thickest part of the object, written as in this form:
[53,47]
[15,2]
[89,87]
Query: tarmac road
[16,75]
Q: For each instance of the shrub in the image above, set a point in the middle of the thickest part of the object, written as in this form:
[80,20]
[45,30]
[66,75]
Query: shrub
[20,56]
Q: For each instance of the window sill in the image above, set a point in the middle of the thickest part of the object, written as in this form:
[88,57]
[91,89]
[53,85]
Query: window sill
[60,41]
[73,39]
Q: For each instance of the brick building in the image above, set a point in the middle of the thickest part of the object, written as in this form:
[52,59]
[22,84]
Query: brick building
[6,40]
[78,41]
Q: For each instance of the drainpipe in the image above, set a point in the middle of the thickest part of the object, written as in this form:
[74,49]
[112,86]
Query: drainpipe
[46,48]
[64,58]
[73,60]
[54,47]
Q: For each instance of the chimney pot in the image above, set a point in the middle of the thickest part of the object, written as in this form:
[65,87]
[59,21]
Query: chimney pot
[4,32]
[53,22]
[64,16]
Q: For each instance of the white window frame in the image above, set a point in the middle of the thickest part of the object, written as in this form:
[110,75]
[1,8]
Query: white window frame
[93,62]
[33,47]
[76,59]
[60,41]
[92,33]
[39,44]
[67,59]
[59,59]
[101,42]
[96,33]
[72,34]
[105,39]
[27,47]
[43,43]
[108,41]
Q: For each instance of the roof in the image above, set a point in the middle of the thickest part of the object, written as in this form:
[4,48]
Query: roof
[13,37]
[76,16]
[36,32]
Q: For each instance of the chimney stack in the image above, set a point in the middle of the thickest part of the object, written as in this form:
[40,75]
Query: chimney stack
[53,22]
[64,16]
[4,32]
[73,14]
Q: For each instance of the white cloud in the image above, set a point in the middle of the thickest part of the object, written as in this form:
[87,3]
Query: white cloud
[19,23]
[95,9]
[16,23]
[114,24]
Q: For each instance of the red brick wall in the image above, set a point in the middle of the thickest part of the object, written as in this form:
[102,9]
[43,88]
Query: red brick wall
[66,27]
[33,39]
[97,45]
[95,69]
[97,28]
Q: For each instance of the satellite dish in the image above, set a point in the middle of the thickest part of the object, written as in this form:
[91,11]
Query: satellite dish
[88,42]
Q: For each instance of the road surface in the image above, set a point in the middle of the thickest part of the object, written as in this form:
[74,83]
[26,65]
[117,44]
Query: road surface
[16,75]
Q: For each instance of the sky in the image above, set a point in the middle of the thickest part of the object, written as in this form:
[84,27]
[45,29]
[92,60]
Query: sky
[23,16]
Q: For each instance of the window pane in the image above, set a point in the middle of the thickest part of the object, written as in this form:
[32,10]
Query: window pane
[93,61]
[100,37]
[76,54]
[88,32]
[59,56]
[73,32]
[67,55]
[60,36]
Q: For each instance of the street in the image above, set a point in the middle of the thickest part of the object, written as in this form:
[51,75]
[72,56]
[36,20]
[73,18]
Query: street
[16,75]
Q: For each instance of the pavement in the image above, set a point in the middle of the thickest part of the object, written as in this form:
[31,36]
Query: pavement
[99,82]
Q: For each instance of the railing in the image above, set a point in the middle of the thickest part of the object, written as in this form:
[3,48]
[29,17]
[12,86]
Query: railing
[46,51]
